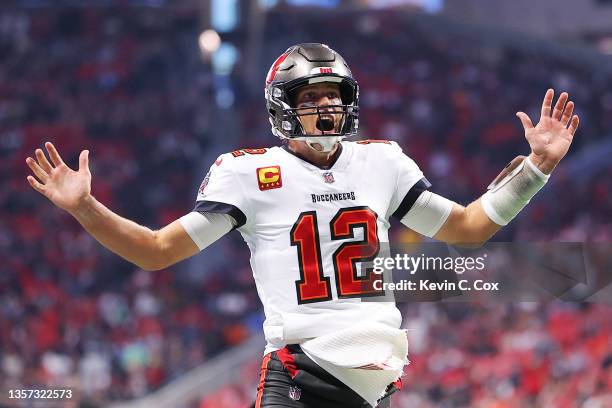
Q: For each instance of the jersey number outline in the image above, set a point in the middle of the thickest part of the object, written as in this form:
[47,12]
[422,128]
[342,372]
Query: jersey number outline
[242,152]
[313,286]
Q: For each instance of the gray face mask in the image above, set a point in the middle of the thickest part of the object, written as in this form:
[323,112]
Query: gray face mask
[324,144]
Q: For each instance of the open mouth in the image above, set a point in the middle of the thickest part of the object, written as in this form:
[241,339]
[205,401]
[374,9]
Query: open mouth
[325,123]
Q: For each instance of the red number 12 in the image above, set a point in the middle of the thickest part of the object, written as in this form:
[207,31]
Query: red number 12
[313,286]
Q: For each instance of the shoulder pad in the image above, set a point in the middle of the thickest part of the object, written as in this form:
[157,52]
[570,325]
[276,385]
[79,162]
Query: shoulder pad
[381,145]
[238,156]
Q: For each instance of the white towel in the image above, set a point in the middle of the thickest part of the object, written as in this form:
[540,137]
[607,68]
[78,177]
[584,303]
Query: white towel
[367,358]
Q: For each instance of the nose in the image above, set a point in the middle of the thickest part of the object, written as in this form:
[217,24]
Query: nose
[323,102]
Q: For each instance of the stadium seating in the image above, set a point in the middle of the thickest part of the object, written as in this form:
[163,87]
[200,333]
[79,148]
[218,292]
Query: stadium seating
[132,88]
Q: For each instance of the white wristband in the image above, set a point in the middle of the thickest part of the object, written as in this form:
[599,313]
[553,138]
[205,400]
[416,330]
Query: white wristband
[537,171]
[505,199]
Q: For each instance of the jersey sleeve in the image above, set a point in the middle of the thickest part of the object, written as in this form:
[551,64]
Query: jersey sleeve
[410,182]
[222,193]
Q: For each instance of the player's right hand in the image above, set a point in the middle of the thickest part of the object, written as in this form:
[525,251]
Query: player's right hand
[63,186]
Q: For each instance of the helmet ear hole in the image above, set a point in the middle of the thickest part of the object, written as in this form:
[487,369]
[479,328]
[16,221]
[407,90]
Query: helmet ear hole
[292,94]
[347,93]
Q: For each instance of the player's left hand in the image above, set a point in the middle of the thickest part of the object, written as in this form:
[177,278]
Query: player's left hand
[551,138]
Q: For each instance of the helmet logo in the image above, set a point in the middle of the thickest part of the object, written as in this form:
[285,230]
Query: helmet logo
[274,68]
[326,70]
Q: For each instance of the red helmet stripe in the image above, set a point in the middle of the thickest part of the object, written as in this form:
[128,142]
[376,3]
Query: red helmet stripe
[274,68]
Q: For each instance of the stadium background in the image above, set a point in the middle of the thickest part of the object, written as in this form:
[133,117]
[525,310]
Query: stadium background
[156,102]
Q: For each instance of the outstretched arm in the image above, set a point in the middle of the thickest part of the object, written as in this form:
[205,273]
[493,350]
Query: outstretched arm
[467,226]
[549,141]
[146,248]
[71,191]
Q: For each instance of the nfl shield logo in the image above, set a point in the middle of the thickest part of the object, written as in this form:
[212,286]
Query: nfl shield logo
[328,176]
[295,393]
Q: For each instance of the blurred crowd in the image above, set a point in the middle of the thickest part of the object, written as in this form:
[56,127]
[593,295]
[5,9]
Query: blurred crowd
[466,355]
[127,85]
[131,86]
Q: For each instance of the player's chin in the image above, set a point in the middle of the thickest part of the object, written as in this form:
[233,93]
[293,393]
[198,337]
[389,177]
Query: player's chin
[317,147]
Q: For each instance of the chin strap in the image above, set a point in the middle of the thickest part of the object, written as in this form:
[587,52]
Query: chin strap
[327,143]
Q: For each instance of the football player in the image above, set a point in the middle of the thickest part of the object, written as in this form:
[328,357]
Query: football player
[310,210]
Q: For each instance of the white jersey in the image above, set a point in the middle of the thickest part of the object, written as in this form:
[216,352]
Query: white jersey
[307,227]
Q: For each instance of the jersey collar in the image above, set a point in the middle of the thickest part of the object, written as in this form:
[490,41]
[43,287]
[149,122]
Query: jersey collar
[338,161]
